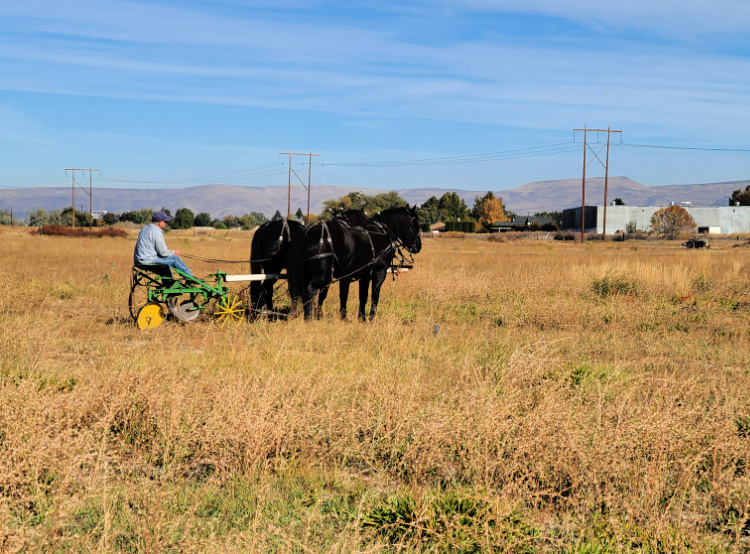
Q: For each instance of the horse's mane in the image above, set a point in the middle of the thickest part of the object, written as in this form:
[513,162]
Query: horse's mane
[397,219]
[355,218]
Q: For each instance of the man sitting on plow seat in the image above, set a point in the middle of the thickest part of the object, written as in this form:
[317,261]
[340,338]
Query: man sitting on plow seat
[150,247]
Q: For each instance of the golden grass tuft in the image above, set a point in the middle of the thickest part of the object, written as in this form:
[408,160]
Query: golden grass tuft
[529,396]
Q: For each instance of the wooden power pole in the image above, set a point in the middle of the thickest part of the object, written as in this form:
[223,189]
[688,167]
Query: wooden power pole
[299,180]
[587,146]
[73,188]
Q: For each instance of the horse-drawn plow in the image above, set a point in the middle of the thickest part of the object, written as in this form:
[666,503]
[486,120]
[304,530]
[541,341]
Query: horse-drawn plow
[353,247]
[158,290]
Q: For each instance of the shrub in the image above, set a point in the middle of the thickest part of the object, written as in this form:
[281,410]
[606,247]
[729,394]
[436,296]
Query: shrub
[460,226]
[60,230]
[610,285]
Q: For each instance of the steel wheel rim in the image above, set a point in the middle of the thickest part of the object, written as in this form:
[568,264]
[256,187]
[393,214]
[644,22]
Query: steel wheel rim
[229,310]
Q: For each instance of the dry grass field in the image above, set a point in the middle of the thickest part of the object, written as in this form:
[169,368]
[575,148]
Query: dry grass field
[525,396]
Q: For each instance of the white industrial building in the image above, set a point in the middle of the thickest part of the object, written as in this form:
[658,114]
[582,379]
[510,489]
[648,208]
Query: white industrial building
[710,219]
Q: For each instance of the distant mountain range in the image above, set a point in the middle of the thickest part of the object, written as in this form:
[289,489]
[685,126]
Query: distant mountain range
[221,200]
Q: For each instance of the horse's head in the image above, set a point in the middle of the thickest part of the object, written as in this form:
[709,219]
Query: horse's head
[404,223]
[416,244]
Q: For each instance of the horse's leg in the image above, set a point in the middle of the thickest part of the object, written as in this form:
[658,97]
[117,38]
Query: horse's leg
[256,293]
[316,286]
[343,296]
[268,293]
[308,299]
[377,282]
[364,284]
[321,298]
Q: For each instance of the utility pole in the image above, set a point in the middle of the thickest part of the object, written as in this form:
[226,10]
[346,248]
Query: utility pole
[299,180]
[587,146]
[91,202]
[73,188]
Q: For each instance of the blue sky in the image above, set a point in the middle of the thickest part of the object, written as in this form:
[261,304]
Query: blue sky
[185,92]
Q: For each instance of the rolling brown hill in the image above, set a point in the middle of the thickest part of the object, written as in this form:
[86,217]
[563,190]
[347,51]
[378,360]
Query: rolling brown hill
[221,200]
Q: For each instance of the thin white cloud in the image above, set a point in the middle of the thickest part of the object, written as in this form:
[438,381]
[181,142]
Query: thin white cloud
[375,73]
[673,16]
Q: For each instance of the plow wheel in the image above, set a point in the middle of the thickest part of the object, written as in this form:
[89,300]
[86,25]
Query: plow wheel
[229,310]
[139,286]
[138,295]
[149,316]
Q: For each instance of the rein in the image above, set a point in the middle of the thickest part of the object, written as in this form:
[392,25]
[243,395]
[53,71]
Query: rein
[213,260]
[394,247]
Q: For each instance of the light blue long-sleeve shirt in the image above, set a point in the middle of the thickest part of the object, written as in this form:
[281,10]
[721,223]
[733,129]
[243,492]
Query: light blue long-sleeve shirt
[150,245]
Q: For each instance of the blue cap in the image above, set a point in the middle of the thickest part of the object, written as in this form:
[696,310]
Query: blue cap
[160,216]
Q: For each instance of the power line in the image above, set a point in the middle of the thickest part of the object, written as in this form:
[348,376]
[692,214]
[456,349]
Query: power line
[272,170]
[663,147]
[57,181]
[240,174]
[551,149]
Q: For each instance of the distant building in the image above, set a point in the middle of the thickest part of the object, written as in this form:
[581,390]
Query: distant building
[520,223]
[715,220]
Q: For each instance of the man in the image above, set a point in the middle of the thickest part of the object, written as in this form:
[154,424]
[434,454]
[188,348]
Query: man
[151,248]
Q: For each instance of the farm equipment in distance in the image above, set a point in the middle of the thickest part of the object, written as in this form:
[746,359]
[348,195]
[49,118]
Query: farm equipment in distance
[154,287]
[696,243]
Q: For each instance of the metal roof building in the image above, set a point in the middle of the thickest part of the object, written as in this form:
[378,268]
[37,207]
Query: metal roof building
[716,220]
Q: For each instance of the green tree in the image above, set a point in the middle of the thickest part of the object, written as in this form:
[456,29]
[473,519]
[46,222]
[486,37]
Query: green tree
[82,218]
[110,219]
[383,201]
[557,218]
[430,210]
[352,201]
[183,219]
[247,221]
[7,219]
[260,217]
[453,208]
[140,217]
[231,222]
[203,219]
[740,196]
[670,222]
[39,217]
[276,216]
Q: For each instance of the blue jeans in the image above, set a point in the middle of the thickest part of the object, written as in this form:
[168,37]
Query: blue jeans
[174,261]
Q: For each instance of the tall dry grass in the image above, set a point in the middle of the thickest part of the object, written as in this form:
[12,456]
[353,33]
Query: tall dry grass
[517,397]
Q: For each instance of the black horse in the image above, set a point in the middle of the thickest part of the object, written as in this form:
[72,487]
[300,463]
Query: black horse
[351,247]
[268,253]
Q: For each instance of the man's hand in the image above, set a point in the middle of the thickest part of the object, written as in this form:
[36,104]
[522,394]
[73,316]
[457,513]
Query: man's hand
[176,252]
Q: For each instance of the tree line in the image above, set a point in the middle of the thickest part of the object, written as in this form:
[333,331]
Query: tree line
[450,207]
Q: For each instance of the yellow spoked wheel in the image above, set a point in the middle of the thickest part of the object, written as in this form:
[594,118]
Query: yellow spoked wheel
[149,316]
[229,310]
